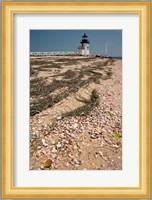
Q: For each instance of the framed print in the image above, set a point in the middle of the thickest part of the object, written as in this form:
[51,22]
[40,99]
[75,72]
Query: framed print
[76,99]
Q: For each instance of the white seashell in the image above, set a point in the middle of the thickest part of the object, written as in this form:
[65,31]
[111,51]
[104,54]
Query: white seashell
[39,147]
[75,147]
[54,150]
[100,153]
[42,167]
[44,143]
[75,125]
[59,118]
[70,155]
[53,156]
[67,164]
[58,145]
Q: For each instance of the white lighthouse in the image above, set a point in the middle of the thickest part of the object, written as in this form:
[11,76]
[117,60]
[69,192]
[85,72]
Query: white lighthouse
[83,48]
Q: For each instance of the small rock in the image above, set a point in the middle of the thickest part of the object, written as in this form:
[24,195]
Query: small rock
[117,125]
[47,163]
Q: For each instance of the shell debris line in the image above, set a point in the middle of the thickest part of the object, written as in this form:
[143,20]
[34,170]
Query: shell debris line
[75,113]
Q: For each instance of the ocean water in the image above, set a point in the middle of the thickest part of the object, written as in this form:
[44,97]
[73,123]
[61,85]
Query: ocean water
[117,58]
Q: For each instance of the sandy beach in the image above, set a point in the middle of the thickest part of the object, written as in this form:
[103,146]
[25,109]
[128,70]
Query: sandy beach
[75,113]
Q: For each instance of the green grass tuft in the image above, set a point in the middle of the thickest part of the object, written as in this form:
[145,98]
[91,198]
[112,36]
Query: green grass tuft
[87,108]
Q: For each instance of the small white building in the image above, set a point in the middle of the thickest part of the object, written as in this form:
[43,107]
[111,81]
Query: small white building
[83,48]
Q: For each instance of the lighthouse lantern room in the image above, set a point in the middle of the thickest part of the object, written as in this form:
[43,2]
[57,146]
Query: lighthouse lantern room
[83,48]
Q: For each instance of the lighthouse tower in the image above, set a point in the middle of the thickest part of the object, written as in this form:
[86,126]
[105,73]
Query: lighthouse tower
[83,48]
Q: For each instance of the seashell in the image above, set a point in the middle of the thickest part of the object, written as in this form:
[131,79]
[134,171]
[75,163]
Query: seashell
[54,150]
[75,147]
[59,118]
[72,135]
[75,125]
[42,167]
[100,153]
[53,156]
[58,145]
[96,154]
[38,154]
[44,143]
[79,150]
[67,164]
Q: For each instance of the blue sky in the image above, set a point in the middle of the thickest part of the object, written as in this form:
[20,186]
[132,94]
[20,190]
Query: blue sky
[69,40]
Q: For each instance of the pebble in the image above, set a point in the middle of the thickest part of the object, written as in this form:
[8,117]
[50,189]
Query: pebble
[47,163]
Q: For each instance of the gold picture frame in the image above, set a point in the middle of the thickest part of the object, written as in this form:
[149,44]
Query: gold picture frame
[8,11]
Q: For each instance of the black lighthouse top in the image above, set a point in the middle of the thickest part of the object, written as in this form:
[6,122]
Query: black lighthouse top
[84,39]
